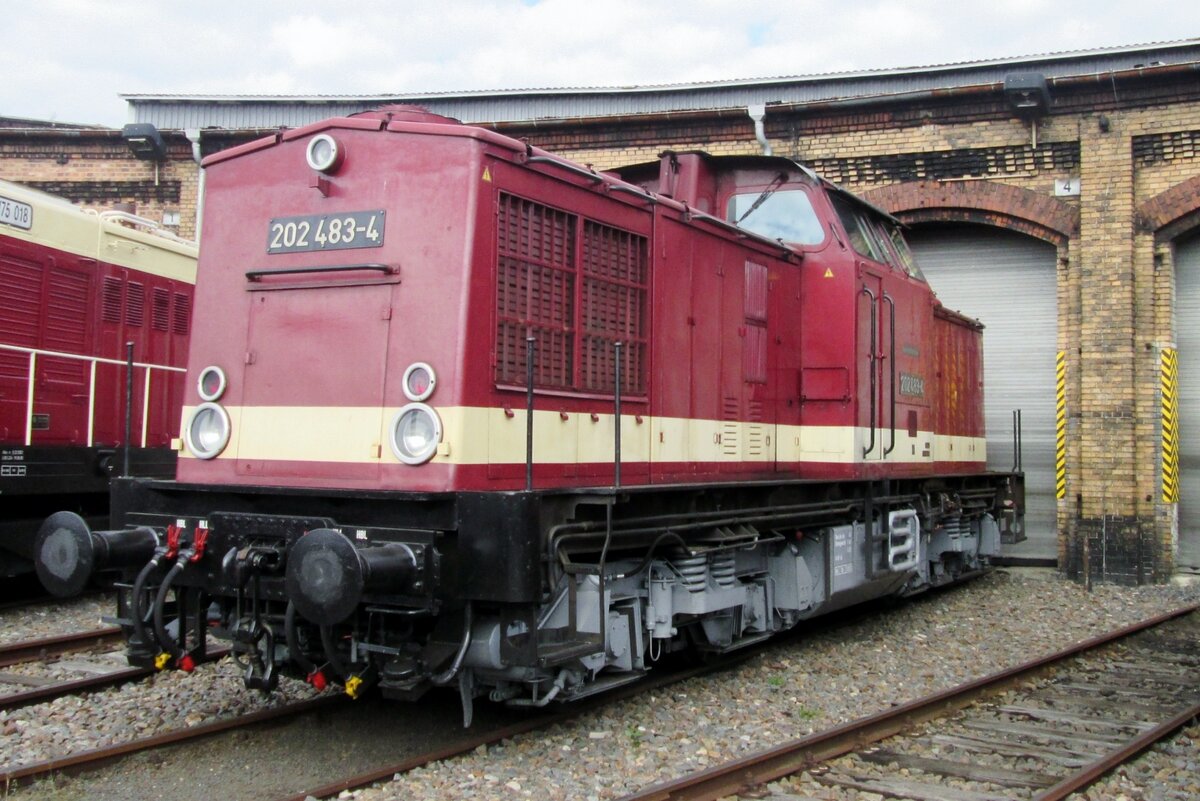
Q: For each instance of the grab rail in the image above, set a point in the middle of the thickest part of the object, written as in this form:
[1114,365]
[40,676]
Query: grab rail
[892,358]
[93,361]
[871,364]
[255,275]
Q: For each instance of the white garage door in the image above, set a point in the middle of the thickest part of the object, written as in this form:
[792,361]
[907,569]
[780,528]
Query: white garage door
[1007,281]
[1187,335]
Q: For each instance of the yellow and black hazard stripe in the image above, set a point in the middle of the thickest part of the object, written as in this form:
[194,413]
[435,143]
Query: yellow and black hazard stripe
[1060,426]
[1170,425]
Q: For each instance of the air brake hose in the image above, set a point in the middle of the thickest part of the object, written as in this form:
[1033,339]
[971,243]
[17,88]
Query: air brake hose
[293,642]
[165,640]
[331,657]
[139,589]
[448,675]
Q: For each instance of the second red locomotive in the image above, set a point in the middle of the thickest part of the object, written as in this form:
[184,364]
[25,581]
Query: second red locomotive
[78,290]
[463,412]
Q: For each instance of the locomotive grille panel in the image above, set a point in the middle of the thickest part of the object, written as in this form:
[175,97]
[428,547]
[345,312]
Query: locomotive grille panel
[182,314]
[576,306]
[535,291]
[66,323]
[112,300]
[161,312]
[614,300]
[135,303]
[19,290]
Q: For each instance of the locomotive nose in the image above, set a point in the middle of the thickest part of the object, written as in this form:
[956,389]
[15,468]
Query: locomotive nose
[327,575]
[67,553]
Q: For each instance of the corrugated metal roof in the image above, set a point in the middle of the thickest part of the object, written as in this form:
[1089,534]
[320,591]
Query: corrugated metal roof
[240,112]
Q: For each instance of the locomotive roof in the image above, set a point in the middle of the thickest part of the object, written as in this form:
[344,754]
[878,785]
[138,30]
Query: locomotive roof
[635,172]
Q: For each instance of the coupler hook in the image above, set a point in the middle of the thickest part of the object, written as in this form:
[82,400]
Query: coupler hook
[254,647]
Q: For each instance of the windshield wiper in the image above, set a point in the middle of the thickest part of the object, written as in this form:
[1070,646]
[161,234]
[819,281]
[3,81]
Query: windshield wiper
[762,198]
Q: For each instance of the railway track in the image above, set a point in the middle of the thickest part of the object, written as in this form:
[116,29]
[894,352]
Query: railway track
[53,677]
[57,677]
[1065,720]
[21,776]
[46,647]
[472,740]
[862,758]
[84,761]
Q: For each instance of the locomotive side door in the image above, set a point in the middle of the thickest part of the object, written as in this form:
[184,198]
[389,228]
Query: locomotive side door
[875,315]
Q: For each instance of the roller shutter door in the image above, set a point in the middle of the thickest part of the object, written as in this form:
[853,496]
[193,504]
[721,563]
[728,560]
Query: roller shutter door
[1007,281]
[1187,336]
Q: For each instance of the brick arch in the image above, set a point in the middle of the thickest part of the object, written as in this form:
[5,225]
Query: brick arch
[984,202]
[1171,212]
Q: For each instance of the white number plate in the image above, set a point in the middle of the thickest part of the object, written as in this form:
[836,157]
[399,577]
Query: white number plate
[342,231]
[16,213]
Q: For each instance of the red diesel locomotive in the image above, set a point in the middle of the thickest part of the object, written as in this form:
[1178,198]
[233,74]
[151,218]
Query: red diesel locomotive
[463,412]
[75,288]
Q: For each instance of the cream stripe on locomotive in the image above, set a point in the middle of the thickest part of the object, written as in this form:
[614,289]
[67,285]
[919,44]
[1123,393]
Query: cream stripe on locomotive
[359,434]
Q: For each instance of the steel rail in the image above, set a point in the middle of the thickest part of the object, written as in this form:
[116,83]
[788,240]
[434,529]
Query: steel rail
[97,756]
[1094,770]
[50,691]
[29,650]
[798,755]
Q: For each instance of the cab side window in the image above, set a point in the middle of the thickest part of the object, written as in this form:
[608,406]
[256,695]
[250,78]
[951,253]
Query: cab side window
[907,260]
[864,238]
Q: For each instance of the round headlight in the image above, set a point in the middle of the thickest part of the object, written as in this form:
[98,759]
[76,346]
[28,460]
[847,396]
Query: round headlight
[415,433]
[211,383]
[324,154]
[419,381]
[207,431]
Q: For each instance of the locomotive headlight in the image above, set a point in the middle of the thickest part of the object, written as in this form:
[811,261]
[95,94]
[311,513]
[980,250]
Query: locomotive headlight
[207,431]
[211,383]
[324,153]
[415,433]
[419,381]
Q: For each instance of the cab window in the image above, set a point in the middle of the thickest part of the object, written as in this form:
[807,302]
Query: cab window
[786,214]
[904,253]
[863,238]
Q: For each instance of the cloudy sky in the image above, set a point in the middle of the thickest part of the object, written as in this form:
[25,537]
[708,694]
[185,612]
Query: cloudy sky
[68,60]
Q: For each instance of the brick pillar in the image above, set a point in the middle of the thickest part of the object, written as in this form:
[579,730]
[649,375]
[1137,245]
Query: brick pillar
[1113,537]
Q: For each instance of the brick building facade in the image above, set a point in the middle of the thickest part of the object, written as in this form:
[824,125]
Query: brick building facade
[1132,140]
[1107,173]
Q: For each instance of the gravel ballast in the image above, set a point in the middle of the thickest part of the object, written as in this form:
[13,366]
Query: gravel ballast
[51,618]
[800,687]
[792,689]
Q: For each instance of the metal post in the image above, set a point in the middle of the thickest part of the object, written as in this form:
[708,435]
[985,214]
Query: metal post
[1016,448]
[128,405]
[1020,443]
[529,351]
[617,415]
